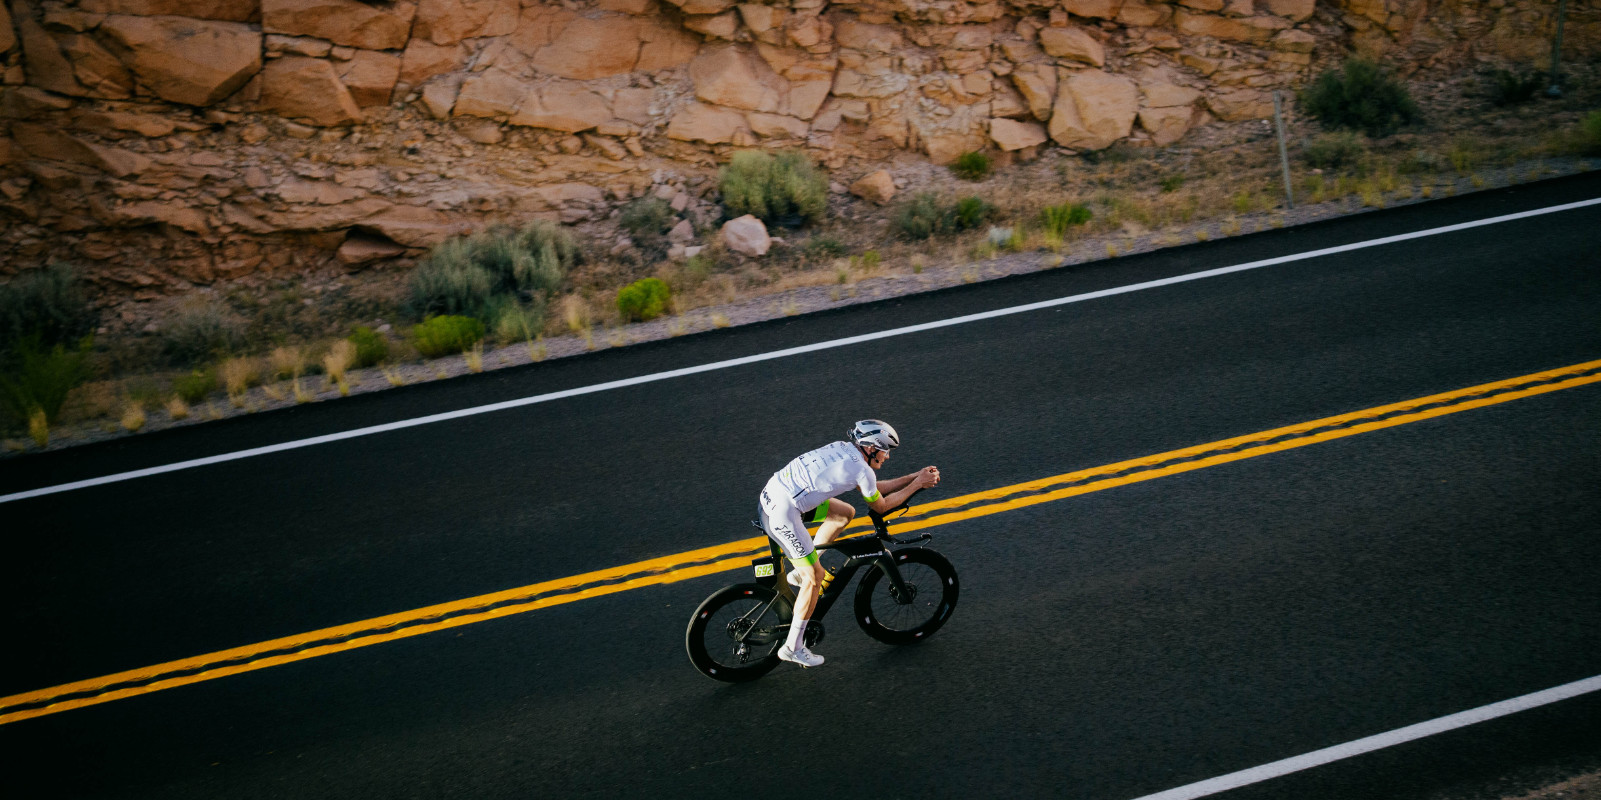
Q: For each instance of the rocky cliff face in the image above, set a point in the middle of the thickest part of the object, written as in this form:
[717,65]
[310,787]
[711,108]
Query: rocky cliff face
[176,142]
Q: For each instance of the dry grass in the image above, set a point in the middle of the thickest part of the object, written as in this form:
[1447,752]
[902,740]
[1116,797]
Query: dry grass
[238,375]
[474,356]
[176,408]
[287,363]
[720,321]
[337,362]
[537,350]
[392,376]
[301,395]
[39,428]
[617,338]
[133,416]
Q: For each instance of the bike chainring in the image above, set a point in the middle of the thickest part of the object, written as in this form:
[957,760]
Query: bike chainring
[814,633]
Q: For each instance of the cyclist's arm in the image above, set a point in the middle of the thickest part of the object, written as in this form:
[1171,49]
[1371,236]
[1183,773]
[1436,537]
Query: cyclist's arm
[901,489]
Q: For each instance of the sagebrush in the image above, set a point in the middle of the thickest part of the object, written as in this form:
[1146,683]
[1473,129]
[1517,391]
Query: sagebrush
[478,275]
[48,305]
[1361,95]
[778,188]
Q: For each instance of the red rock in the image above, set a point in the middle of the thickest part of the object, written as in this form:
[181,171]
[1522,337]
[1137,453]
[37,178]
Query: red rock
[370,76]
[186,60]
[423,60]
[364,248]
[308,89]
[225,10]
[450,21]
[698,122]
[348,22]
[48,142]
[567,107]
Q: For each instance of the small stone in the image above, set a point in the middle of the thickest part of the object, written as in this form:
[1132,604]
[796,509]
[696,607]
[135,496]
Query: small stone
[681,233]
[877,187]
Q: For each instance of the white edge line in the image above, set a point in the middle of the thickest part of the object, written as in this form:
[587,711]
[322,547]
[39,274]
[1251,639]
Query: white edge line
[793,351]
[1234,780]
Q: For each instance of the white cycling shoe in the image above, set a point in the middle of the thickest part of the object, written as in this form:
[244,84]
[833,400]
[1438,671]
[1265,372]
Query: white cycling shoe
[801,656]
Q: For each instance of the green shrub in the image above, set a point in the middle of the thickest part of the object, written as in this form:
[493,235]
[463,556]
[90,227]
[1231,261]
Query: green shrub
[1336,150]
[201,329]
[924,215]
[920,217]
[824,246]
[1360,95]
[970,212]
[780,189]
[195,386]
[446,335]
[48,305]
[1590,134]
[1057,219]
[647,217]
[1172,183]
[476,275]
[372,347]
[644,299]
[1508,88]
[971,166]
[39,378]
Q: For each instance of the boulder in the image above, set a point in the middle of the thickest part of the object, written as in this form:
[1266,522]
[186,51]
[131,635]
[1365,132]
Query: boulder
[42,59]
[698,122]
[96,70]
[682,233]
[1160,94]
[876,187]
[370,76]
[747,236]
[308,89]
[412,226]
[1074,44]
[1099,9]
[224,10]
[491,93]
[1293,41]
[731,76]
[664,45]
[1248,29]
[564,106]
[777,126]
[1037,84]
[48,142]
[1295,10]
[439,97]
[717,26]
[856,35]
[588,49]
[1093,109]
[424,59]
[1010,134]
[348,22]
[450,21]
[1167,124]
[1234,105]
[703,6]
[1143,14]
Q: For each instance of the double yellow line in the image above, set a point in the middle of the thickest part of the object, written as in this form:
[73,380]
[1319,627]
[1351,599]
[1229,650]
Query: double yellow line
[736,555]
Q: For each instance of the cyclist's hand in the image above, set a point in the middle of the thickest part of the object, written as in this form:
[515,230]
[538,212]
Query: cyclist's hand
[927,477]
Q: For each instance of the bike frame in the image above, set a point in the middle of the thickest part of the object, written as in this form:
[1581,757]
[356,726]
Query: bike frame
[860,551]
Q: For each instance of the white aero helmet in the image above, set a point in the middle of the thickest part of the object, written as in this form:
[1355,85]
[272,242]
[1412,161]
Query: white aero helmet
[875,433]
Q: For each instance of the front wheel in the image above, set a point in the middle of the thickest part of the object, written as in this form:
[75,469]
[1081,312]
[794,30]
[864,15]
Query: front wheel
[893,617]
[735,634]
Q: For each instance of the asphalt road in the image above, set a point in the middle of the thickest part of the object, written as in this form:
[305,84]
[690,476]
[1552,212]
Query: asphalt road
[1106,646]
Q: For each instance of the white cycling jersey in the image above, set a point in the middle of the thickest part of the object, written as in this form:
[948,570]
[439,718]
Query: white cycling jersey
[814,477]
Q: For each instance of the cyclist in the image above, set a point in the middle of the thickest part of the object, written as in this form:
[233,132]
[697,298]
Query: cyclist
[804,491]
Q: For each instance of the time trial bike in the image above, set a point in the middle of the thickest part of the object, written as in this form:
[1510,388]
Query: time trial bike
[905,596]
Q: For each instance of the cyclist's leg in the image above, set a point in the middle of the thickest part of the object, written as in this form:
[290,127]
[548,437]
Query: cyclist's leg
[838,514]
[782,521]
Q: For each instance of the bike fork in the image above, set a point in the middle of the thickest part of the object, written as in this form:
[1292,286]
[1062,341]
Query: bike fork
[886,562]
